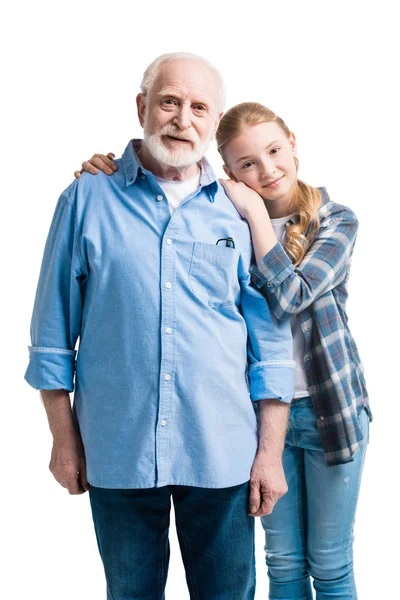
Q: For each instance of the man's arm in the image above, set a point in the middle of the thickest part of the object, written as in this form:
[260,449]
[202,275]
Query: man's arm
[267,480]
[55,328]
[271,377]
[67,462]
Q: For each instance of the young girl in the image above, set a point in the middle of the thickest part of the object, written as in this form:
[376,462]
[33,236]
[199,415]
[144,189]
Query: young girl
[303,244]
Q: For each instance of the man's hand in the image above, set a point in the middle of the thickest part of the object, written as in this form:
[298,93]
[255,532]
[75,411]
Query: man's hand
[267,485]
[98,161]
[68,464]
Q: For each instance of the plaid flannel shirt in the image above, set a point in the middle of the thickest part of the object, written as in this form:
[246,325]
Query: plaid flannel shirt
[316,292]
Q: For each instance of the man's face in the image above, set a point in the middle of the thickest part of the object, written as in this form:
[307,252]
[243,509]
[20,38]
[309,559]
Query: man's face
[179,115]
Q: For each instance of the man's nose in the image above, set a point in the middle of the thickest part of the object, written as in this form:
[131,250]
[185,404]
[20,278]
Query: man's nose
[182,119]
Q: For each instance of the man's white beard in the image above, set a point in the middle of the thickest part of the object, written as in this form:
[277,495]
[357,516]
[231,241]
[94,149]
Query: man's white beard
[179,157]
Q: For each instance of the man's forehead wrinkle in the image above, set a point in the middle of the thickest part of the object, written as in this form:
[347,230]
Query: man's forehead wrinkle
[182,92]
[198,82]
[173,90]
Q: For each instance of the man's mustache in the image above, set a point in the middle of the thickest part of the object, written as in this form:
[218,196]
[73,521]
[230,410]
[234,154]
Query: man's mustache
[172,132]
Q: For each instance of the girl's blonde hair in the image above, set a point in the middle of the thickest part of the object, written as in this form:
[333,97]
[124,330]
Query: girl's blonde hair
[306,199]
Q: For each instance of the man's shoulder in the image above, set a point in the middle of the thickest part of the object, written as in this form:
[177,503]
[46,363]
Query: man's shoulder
[223,202]
[88,182]
[233,223]
[87,186]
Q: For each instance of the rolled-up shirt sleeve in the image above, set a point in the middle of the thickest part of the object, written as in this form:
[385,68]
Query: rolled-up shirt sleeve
[271,368]
[56,319]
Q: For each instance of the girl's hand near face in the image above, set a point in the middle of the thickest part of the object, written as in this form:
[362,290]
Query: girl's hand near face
[251,207]
[247,202]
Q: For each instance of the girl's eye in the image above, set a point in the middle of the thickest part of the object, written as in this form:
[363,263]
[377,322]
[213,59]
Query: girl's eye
[247,165]
[275,150]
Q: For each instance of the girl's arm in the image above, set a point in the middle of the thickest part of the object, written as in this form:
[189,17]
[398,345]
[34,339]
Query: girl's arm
[251,207]
[98,162]
[289,289]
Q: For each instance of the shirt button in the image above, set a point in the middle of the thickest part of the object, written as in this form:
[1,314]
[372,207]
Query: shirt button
[169,241]
[159,197]
[314,389]
[167,377]
[306,328]
[307,358]
[163,423]
[143,176]
[322,417]
[269,283]
[168,285]
[168,330]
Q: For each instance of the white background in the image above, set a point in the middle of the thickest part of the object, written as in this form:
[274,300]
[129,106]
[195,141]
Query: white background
[70,75]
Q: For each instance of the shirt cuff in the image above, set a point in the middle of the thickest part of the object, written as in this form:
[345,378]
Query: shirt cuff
[51,368]
[272,269]
[272,379]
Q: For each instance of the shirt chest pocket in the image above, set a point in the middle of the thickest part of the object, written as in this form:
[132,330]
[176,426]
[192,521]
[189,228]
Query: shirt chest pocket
[213,273]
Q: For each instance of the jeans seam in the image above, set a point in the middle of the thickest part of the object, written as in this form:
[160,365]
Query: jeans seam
[300,516]
[190,571]
[161,560]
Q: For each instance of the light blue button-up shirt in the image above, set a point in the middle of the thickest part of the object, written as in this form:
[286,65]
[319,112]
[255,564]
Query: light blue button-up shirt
[174,341]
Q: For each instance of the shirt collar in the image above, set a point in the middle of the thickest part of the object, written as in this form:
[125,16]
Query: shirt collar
[133,167]
[131,161]
[324,196]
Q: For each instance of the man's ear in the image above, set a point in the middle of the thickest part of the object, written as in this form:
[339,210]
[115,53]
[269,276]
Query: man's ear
[217,120]
[141,107]
[229,173]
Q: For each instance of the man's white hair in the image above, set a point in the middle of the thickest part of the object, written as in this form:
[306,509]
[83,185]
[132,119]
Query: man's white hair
[152,70]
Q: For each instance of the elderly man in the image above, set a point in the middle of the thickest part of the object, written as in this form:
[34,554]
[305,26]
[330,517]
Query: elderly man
[150,270]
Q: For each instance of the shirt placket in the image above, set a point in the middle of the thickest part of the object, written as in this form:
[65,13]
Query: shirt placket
[168,354]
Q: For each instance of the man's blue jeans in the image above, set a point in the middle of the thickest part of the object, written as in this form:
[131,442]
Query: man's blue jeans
[310,531]
[216,538]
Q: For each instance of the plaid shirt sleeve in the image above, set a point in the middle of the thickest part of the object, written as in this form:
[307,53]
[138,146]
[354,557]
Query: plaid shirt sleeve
[291,289]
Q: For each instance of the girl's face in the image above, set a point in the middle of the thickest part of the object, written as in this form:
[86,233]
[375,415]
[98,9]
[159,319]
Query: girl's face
[262,156]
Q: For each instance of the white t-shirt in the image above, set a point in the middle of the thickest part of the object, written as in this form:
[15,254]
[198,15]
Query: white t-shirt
[301,387]
[176,191]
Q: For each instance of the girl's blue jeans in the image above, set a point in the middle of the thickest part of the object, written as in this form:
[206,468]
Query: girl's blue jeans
[309,534]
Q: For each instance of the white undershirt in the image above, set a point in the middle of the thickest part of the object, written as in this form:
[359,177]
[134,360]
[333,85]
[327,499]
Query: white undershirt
[301,387]
[176,191]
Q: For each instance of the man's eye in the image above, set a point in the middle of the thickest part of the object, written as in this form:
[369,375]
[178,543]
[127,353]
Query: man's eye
[200,107]
[169,102]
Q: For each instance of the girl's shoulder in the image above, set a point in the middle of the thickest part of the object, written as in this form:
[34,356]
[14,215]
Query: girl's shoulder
[330,212]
